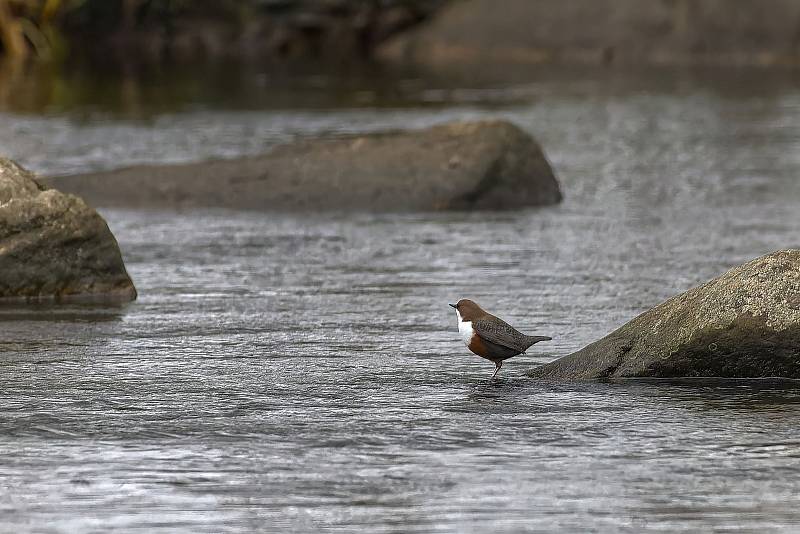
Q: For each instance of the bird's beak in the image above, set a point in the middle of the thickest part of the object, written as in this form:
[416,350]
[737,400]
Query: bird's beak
[453,305]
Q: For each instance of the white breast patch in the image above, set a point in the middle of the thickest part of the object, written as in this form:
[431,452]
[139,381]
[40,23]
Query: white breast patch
[465,329]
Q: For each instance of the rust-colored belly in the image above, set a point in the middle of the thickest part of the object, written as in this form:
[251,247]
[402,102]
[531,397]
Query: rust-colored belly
[489,350]
[477,346]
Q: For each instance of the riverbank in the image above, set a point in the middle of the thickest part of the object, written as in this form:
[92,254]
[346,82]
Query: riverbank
[430,32]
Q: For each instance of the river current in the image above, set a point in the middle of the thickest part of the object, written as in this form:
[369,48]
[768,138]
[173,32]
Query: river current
[303,372]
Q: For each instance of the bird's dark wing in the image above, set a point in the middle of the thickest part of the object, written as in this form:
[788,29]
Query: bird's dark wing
[501,333]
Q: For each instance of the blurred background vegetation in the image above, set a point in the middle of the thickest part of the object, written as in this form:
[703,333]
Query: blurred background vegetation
[155,29]
[134,55]
[28,26]
[116,54]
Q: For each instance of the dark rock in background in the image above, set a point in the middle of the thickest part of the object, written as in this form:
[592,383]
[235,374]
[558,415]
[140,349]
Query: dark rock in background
[469,165]
[723,32]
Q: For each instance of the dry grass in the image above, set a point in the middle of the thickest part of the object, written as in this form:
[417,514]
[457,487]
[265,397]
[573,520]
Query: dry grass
[26,26]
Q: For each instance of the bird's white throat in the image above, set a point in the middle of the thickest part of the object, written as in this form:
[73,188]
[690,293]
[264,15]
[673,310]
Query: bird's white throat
[465,329]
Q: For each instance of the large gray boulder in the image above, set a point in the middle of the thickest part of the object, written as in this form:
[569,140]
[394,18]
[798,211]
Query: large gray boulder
[602,31]
[456,166]
[54,246]
[744,324]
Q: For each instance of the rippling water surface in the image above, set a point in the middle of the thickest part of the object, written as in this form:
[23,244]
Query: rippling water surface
[296,373]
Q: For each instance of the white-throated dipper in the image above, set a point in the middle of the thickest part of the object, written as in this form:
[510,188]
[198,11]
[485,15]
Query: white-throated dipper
[490,337]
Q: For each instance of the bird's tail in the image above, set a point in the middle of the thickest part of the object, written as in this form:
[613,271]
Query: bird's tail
[535,339]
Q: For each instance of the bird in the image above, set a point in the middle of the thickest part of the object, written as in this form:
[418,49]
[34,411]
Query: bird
[490,337]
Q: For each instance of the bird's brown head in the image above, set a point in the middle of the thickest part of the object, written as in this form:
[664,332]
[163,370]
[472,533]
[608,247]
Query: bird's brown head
[468,310]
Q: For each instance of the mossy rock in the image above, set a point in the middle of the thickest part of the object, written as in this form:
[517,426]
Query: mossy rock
[53,246]
[744,324]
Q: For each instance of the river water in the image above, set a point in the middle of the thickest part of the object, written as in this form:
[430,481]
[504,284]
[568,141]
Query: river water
[303,372]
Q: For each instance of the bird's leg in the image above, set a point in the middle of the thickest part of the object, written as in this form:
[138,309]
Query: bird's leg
[497,365]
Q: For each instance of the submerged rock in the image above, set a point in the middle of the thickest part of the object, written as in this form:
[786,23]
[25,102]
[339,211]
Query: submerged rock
[54,246]
[463,165]
[744,324]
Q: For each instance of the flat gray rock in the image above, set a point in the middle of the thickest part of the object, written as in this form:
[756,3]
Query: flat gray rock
[456,166]
[54,246]
[744,324]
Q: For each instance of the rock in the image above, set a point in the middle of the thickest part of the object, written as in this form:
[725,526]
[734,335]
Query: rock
[54,246]
[744,324]
[753,32]
[457,166]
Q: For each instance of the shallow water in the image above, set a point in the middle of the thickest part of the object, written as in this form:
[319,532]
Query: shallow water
[296,373]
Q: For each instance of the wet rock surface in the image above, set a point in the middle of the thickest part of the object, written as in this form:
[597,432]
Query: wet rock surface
[53,246]
[744,324]
[456,166]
